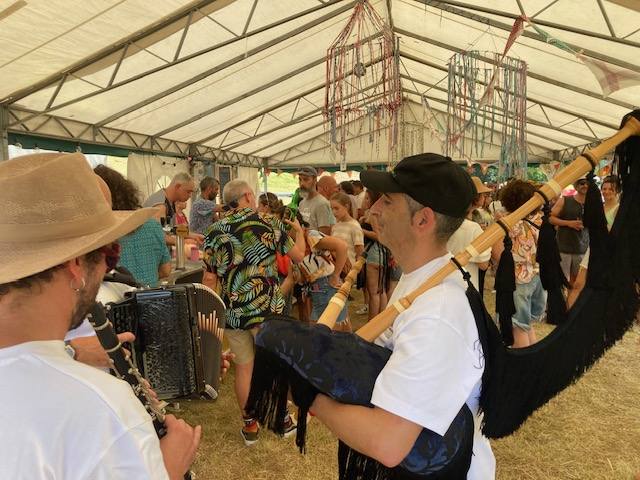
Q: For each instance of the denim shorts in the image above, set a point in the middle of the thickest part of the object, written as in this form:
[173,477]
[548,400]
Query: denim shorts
[321,293]
[530,300]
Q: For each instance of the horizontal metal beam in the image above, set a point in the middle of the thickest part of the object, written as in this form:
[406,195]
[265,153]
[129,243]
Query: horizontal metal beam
[449,5]
[529,120]
[229,63]
[202,8]
[262,113]
[300,118]
[243,96]
[536,76]
[306,141]
[318,87]
[171,24]
[533,100]
[82,132]
[293,135]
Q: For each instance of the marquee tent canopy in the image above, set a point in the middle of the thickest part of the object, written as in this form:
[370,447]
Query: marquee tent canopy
[243,81]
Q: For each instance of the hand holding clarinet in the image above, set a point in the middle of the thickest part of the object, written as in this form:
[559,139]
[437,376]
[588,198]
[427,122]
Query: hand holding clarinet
[178,440]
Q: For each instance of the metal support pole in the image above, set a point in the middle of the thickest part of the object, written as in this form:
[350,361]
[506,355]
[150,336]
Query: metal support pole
[265,184]
[4,135]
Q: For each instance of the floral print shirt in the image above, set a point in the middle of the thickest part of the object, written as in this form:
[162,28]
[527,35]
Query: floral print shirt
[524,237]
[241,250]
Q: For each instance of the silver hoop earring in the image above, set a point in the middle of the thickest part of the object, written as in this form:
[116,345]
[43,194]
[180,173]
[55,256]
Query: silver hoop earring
[83,284]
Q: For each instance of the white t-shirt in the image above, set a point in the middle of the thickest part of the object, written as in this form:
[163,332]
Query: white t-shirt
[62,419]
[462,237]
[437,364]
[360,198]
[351,232]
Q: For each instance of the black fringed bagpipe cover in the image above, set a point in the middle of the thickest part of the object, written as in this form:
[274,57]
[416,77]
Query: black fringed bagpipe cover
[311,359]
[178,331]
[519,381]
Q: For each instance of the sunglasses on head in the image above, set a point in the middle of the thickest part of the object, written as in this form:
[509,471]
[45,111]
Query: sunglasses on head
[111,255]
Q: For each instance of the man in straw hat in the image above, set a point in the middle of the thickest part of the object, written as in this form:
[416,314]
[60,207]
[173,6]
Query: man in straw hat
[61,418]
[436,365]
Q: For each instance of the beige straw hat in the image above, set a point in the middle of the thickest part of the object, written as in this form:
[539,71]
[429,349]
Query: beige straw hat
[480,187]
[52,210]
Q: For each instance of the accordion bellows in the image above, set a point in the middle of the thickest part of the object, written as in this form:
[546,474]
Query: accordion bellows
[178,331]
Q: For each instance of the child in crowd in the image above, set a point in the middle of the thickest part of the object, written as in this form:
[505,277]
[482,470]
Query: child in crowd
[320,273]
[346,227]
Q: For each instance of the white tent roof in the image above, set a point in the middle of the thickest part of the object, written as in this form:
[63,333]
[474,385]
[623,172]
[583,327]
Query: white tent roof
[243,81]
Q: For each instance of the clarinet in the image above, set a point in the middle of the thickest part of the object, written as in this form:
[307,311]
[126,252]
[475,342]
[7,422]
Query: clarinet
[124,369]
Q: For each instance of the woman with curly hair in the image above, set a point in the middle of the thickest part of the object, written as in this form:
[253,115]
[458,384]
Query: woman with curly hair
[530,298]
[143,252]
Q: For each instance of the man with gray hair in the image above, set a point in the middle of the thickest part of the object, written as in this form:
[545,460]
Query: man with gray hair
[179,190]
[204,210]
[240,255]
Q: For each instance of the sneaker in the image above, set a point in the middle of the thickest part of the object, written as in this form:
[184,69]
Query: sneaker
[250,431]
[290,426]
[363,310]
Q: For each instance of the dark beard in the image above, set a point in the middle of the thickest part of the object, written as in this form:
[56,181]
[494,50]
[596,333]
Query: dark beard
[86,299]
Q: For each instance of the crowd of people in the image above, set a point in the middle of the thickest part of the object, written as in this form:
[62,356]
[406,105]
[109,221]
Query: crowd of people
[261,257]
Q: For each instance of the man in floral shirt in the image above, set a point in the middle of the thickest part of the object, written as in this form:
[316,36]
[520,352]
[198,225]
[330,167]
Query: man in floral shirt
[240,254]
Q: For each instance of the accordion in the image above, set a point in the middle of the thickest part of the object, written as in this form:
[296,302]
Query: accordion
[178,331]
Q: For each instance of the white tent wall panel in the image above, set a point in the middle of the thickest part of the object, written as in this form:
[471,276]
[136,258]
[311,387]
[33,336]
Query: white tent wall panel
[147,170]
[251,176]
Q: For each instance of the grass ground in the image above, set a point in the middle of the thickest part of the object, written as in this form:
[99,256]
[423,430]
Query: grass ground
[590,431]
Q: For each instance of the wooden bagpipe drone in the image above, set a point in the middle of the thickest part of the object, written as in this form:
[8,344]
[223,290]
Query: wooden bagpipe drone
[302,360]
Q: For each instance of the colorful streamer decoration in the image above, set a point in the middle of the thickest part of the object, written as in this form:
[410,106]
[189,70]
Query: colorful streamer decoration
[363,80]
[487,93]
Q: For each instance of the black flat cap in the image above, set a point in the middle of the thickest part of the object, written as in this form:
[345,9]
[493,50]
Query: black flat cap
[430,179]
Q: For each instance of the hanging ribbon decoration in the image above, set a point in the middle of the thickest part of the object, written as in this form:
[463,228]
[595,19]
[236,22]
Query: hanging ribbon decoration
[363,80]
